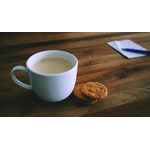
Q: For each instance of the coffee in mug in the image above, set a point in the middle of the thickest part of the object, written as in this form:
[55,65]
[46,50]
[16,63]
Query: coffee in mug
[52,65]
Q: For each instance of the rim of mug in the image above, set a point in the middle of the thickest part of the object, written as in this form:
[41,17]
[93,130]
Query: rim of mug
[57,74]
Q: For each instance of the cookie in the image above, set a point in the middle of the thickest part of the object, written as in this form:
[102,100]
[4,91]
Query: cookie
[81,98]
[94,90]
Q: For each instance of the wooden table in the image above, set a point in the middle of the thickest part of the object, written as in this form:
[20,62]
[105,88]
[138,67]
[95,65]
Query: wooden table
[127,80]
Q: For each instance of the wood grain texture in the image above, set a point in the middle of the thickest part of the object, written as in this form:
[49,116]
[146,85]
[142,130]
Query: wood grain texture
[127,80]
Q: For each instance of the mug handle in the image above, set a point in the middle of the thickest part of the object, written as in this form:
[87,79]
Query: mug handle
[25,70]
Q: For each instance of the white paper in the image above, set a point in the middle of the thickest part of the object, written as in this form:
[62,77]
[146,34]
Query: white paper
[118,45]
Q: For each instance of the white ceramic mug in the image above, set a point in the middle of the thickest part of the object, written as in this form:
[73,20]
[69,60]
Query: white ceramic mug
[49,87]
